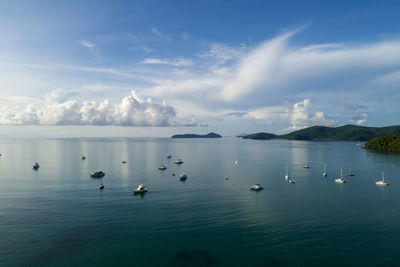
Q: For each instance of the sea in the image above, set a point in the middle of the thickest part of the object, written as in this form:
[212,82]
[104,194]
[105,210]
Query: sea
[58,216]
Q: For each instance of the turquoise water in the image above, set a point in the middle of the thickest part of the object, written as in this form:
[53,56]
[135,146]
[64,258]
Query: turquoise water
[57,216]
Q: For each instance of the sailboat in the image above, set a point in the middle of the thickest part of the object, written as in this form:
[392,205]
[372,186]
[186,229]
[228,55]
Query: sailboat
[292,180]
[340,180]
[350,174]
[382,182]
[324,173]
[287,175]
[236,161]
[358,143]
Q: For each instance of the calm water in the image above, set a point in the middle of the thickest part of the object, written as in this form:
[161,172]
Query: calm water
[57,216]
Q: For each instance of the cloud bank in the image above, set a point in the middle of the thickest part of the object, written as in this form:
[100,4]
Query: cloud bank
[59,109]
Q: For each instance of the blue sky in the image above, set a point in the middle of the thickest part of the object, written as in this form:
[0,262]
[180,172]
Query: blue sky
[155,68]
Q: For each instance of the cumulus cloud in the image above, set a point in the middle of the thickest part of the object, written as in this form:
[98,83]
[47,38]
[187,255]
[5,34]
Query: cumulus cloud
[59,109]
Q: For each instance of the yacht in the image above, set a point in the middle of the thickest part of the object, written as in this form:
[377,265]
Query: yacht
[306,166]
[101,186]
[97,174]
[287,175]
[162,168]
[256,187]
[140,189]
[382,182]
[178,161]
[324,173]
[340,180]
[36,166]
[183,177]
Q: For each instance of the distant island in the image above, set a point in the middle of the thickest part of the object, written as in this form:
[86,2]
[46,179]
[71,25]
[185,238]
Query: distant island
[384,143]
[209,135]
[342,133]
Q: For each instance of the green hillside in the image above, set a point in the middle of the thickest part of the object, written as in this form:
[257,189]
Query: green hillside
[388,143]
[260,136]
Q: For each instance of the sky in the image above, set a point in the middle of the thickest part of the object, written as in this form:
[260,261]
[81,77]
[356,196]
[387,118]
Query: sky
[157,68]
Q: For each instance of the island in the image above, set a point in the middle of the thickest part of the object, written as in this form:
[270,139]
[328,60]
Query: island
[384,143]
[341,133]
[209,135]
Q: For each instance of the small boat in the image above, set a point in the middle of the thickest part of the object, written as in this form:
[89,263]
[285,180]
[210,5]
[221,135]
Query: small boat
[36,166]
[173,174]
[140,189]
[178,161]
[340,180]
[183,177]
[292,180]
[358,143]
[83,157]
[169,156]
[256,187]
[101,186]
[382,182]
[97,174]
[226,178]
[350,174]
[324,173]
[123,162]
[306,166]
[162,168]
[287,174]
[236,160]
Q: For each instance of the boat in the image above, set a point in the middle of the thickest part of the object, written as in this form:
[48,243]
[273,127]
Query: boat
[236,160]
[140,189]
[306,166]
[358,143]
[287,175]
[36,166]
[124,161]
[169,156]
[256,187]
[183,177]
[101,186]
[83,157]
[340,180]
[97,174]
[324,173]
[292,180]
[162,168]
[178,161]
[350,174]
[382,182]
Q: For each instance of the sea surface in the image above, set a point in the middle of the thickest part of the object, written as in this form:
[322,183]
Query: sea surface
[57,216]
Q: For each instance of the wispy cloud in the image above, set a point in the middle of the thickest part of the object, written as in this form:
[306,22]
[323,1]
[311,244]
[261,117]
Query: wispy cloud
[160,35]
[176,62]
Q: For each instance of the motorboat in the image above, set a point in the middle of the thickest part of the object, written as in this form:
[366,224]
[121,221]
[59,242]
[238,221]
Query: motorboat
[97,174]
[101,186]
[36,166]
[178,161]
[306,166]
[124,161]
[169,156]
[340,180]
[324,173]
[183,177]
[256,187]
[382,182]
[140,189]
[162,168]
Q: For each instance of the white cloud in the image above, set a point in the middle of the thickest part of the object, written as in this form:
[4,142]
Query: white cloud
[87,44]
[221,53]
[59,109]
[176,62]
[160,35]
[360,118]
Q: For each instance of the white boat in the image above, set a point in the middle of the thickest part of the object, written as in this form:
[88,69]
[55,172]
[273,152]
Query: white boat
[101,186]
[340,180]
[140,189]
[97,174]
[292,180]
[256,187]
[162,168]
[358,143]
[287,174]
[36,166]
[178,161]
[324,173]
[306,166]
[183,177]
[236,160]
[382,182]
